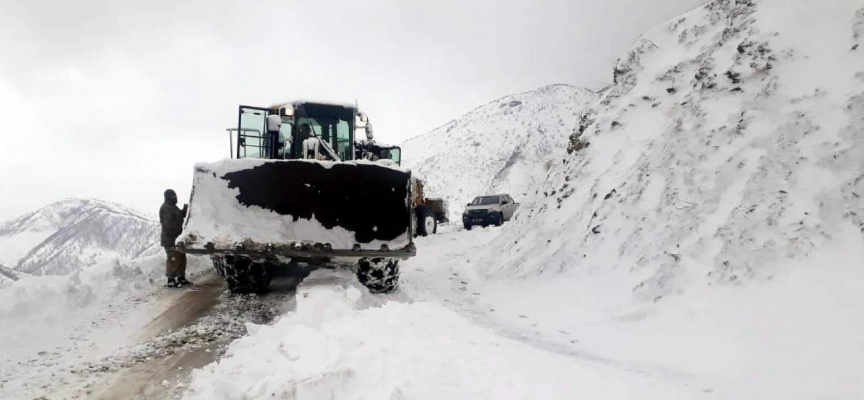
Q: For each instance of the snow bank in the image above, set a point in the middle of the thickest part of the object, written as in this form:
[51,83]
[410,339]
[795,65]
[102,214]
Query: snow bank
[38,308]
[333,346]
[62,333]
[796,336]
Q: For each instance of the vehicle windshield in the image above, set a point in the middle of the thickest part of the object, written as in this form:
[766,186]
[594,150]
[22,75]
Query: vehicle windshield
[484,200]
[330,123]
[334,132]
[393,153]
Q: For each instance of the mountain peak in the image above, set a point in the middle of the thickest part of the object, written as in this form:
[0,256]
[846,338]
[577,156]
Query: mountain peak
[502,146]
[58,212]
[73,233]
[543,93]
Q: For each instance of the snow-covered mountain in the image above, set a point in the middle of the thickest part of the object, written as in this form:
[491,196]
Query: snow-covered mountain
[72,234]
[732,140]
[503,146]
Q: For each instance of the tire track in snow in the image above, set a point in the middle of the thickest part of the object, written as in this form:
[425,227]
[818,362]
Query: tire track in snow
[454,248]
[191,333]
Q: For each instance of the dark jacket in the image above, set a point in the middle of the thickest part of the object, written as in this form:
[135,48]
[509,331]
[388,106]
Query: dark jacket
[171,218]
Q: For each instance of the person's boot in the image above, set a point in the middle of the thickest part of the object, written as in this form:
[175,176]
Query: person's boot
[183,281]
[173,283]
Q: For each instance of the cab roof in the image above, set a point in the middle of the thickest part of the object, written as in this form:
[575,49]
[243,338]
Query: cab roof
[310,101]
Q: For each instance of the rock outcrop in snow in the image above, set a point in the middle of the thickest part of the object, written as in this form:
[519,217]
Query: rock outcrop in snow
[503,146]
[73,234]
[730,145]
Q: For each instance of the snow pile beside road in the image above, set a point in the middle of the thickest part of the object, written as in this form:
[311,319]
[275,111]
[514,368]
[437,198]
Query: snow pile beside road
[61,332]
[338,345]
[789,338]
[43,306]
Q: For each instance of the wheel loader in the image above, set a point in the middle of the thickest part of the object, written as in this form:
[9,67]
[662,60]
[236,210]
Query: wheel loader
[298,189]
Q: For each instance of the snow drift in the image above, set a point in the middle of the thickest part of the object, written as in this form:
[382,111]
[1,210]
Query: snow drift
[501,147]
[40,305]
[57,330]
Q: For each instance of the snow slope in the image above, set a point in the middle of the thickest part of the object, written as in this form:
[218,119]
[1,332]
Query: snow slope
[708,216]
[503,146]
[72,234]
[732,138]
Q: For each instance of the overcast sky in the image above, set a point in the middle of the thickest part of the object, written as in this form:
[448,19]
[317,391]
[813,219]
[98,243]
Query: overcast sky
[116,100]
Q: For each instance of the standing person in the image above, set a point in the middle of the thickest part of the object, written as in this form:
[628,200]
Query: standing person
[171,218]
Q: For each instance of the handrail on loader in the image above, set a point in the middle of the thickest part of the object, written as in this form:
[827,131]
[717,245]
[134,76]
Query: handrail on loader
[231,137]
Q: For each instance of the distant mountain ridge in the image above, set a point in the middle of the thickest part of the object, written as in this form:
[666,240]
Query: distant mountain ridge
[75,233]
[9,275]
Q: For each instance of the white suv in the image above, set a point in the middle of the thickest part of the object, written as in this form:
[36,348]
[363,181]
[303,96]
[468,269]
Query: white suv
[489,210]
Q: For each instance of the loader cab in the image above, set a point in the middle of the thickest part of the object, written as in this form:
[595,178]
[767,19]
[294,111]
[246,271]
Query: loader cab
[281,131]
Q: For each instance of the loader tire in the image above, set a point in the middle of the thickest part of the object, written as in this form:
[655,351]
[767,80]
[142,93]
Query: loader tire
[247,276]
[426,222]
[379,275]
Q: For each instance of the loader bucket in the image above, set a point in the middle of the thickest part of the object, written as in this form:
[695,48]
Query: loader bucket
[299,208]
